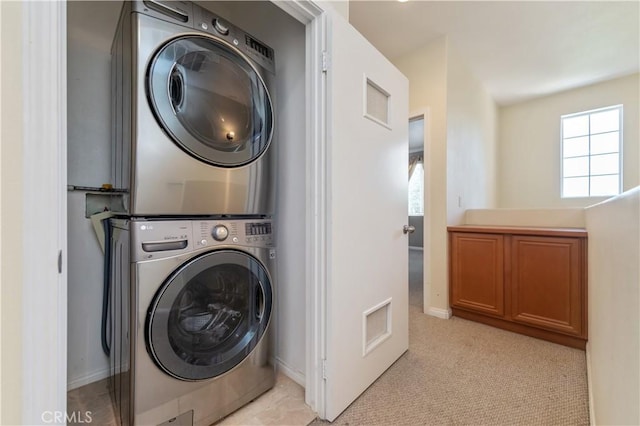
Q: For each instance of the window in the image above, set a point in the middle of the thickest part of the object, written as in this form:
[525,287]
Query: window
[591,153]
[416,191]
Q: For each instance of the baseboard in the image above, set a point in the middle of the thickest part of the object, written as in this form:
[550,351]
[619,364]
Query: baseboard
[592,410]
[416,248]
[89,378]
[294,375]
[438,312]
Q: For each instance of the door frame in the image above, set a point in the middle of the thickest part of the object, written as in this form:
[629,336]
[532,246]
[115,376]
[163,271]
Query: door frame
[44,286]
[315,16]
[44,349]
[426,218]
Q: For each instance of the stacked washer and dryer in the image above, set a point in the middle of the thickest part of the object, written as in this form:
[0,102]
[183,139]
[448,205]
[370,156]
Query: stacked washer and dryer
[192,257]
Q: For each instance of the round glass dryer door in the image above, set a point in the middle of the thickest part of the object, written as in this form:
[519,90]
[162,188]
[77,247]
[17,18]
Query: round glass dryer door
[209,315]
[210,100]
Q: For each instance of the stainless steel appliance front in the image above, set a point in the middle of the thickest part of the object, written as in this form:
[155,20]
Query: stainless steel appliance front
[193,113]
[192,303]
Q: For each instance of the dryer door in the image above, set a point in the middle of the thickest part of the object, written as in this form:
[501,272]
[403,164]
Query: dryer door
[209,315]
[210,100]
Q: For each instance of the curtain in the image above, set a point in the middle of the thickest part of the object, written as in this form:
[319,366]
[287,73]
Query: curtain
[414,159]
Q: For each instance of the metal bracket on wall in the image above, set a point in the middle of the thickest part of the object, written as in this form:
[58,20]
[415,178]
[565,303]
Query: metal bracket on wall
[103,188]
[101,199]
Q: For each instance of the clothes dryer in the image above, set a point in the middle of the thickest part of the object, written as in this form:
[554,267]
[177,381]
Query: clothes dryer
[192,303]
[193,115]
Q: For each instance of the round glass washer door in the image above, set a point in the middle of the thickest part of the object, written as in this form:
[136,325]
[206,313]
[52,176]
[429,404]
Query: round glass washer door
[209,315]
[210,100]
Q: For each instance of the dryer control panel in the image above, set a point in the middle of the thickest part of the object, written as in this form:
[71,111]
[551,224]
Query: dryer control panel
[255,49]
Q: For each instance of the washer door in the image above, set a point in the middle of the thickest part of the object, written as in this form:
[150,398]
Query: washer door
[209,315]
[210,100]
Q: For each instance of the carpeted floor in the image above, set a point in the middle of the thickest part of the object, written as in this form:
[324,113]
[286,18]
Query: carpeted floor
[458,372]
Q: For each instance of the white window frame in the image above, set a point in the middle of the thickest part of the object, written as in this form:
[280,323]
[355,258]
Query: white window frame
[421,164]
[618,107]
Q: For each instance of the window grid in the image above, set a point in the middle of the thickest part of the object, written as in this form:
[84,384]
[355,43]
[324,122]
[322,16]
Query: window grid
[589,154]
[416,191]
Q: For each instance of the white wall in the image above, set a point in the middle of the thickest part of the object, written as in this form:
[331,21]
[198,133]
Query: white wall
[89,141]
[289,45]
[613,350]
[460,151]
[529,135]
[426,69]
[471,142]
[342,7]
[11,202]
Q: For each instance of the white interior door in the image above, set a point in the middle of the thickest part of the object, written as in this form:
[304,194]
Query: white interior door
[367,283]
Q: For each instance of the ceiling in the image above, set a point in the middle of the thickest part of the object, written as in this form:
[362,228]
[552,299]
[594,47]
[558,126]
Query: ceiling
[519,50]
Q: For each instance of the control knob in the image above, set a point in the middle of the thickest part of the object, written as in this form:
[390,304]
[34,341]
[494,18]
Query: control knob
[220,233]
[220,27]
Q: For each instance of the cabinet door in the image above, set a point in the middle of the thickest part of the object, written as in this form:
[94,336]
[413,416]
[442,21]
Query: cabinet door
[477,272]
[547,283]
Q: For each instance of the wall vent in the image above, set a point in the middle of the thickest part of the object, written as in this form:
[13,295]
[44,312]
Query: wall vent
[376,326]
[376,103]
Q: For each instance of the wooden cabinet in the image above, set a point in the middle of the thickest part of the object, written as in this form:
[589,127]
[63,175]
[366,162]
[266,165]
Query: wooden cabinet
[527,280]
[478,259]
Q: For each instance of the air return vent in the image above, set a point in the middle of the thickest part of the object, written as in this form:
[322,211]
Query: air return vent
[376,103]
[376,326]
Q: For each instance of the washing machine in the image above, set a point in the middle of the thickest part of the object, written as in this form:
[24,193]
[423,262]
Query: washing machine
[193,115]
[192,306]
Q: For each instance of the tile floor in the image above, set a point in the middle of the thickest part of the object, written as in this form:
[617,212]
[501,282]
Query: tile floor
[282,405]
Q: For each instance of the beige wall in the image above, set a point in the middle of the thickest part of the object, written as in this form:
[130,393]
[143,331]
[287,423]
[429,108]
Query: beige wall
[11,211]
[554,218]
[460,151]
[426,69]
[614,309]
[529,147]
[471,142]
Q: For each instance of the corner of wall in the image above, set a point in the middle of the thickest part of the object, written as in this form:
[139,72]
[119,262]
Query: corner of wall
[592,409]
[290,372]
[614,308]
[342,7]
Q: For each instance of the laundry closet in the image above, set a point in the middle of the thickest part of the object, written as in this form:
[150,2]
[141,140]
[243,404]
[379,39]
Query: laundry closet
[91,29]
[341,112]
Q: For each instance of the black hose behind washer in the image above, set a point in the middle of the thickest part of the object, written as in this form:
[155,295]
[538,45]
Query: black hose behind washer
[106,287]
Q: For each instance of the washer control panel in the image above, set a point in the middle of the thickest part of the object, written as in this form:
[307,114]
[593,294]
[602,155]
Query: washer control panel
[220,232]
[158,239]
[243,232]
